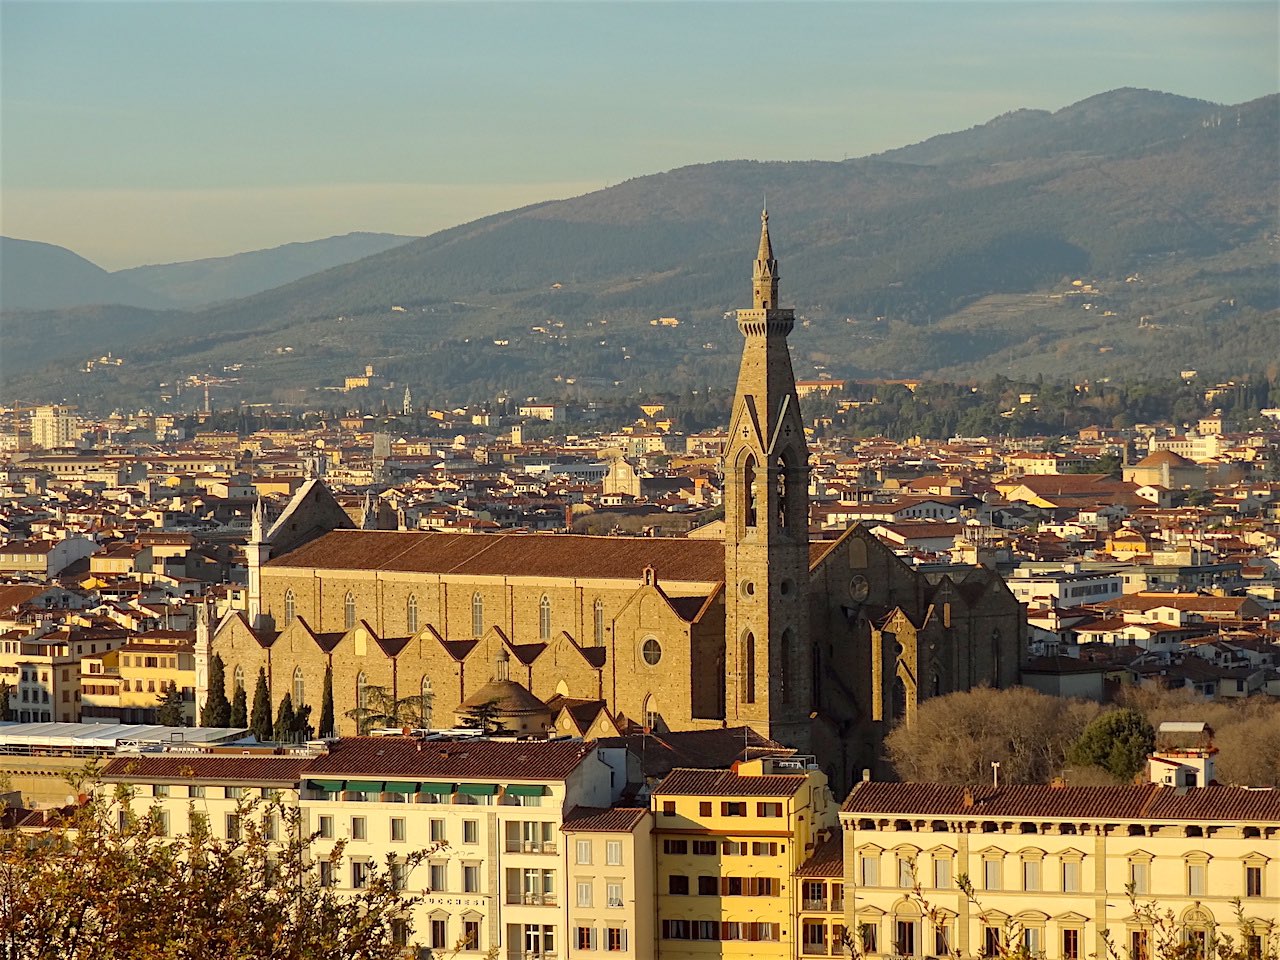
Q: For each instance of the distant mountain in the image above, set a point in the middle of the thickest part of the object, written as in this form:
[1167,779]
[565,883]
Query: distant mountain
[41,276]
[195,283]
[946,258]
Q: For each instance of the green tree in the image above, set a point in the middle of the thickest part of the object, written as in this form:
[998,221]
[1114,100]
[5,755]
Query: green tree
[260,719]
[382,709]
[5,690]
[284,728]
[1119,742]
[172,709]
[240,708]
[326,703]
[216,711]
[255,897]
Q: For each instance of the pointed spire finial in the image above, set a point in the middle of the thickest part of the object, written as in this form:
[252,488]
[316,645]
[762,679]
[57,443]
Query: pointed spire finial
[766,248]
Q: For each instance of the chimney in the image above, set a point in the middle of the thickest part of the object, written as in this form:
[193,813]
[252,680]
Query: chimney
[967,802]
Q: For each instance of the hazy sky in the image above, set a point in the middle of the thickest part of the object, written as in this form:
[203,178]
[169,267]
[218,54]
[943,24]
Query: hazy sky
[152,132]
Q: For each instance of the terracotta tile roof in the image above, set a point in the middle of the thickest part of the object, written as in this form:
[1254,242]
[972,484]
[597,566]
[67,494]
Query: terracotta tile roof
[727,783]
[660,753]
[827,860]
[604,820]
[231,768]
[543,555]
[446,759]
[1144,802]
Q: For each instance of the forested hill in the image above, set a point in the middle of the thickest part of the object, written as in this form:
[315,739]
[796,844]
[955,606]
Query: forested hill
[951,256]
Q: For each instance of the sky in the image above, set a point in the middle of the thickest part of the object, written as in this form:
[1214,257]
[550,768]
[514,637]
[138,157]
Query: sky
[162,131]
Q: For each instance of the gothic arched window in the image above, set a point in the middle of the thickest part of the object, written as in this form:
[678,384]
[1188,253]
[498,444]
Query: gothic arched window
[477,615]
[784,674]
[238,679]
[411,613]
[424,692]
[348,611]
[749,667]
[362,691]
[783,482]
[598,612]
[749,491]
[289,606]
[299,688]
[544,617]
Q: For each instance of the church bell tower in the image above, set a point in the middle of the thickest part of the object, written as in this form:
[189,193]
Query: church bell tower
[766,516]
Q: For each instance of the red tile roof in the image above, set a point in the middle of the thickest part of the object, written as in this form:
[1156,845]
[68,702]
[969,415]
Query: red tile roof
[543,555]
[1145,802]
[233,768]
[827,860]
[727,783]
[604,820]
[409,757]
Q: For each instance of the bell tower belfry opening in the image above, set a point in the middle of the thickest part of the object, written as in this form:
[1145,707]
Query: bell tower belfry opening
[767,523]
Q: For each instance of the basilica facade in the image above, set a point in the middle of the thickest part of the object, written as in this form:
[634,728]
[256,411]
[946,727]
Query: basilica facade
[820,645]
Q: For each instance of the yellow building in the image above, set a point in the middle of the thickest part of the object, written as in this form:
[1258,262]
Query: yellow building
[610,882]
[728,846]
[128,683]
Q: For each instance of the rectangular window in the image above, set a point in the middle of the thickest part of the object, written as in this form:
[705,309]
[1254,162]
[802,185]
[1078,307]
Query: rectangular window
[470,831]
[733,848]
[868,935]
[733,808]
[195,792]
[904,938]
[678,884]
[1071,876]
[768,809]
[708,886]
[942,873]
[991,870]
[1140,876]
[358,831]
[1195,879]
[326,873]
[359,874]
[585,938]
[761,848]
[942,939]
[1070,944]
[160,790]
[613,853]
[870,871]
[704,848]
[437,831]
[1138,945]
[668,808]
[1252,881]
[1031,875]
[439,934]
[436,872]
[160,818]
[1031,940]
[470,878]
[677,847]
[584,893]
[906,873]
[704,808]
[325,827]
[470,934]
[615,939]
[399,875]
[991,942]
[233,826]
[613,893]
[397,829]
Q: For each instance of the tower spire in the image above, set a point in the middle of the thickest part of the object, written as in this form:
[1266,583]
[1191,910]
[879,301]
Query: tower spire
[764,275]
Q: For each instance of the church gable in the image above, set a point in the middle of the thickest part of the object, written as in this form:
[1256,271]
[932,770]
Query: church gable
[313,511]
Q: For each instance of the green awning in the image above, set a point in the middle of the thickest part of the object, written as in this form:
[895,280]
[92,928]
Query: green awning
[365,786]
[394,786]
[328,786]
[440,788]
[478,789]
[526,790]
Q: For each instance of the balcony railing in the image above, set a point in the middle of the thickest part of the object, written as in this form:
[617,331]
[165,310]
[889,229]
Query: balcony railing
[532,899]
[515,953]
[815,903]
[815,950]
[531,846]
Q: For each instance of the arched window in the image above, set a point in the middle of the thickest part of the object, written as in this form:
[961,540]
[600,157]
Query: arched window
[598,611]
[299,688]
[238,679]
[783,483]
[411,613]
[477,615]
[289,606]
[749,491]
[424,692]
[652,715]
[362,691]
[784,655]
[348,611]
[749,667]
[544,617]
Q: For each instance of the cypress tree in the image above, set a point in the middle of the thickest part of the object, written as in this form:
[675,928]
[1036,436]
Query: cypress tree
[240,708]
[302,723]
[284,729]
[260,720]
[216,711]
[326,704]
[170,712]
